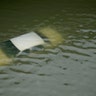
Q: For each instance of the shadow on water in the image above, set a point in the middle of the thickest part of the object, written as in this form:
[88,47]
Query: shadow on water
[66,69]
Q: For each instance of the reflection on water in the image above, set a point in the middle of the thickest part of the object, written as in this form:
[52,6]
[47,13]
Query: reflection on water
[67,69]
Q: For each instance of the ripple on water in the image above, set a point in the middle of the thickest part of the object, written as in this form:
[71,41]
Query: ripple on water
[68,69]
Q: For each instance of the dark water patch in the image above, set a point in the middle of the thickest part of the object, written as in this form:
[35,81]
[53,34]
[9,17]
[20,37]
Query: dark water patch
[66,84]
[42,74]
[3,72]
[20,71]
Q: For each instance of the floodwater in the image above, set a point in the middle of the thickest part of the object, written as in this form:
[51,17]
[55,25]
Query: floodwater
[69,68]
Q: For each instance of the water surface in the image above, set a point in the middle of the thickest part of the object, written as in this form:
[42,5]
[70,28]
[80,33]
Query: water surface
[69,69]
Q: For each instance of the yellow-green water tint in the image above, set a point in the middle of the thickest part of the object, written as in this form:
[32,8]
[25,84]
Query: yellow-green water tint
[4,59]
[53,35]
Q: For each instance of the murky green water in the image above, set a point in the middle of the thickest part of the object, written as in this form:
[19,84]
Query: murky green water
[66,70]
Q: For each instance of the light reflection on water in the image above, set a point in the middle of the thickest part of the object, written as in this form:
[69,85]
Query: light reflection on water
[68,69]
